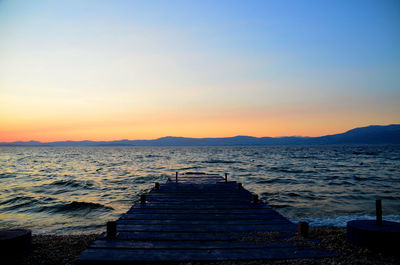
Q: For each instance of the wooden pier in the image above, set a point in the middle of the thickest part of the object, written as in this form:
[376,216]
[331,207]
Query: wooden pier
[198,217]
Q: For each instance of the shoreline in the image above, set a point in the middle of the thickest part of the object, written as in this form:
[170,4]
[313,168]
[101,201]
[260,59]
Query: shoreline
[65,249]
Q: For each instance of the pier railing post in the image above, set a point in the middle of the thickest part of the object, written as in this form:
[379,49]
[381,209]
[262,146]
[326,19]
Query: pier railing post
[254,199]
[143,199]
[302,229]
[176,177]
[226,177]
[378,212]
[111,229]
[239,186]
[156,186]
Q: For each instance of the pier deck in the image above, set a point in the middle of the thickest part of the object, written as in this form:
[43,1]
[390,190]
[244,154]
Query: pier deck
[201,217]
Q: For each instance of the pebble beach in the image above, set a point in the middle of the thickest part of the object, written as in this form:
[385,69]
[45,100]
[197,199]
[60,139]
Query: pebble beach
[65,249]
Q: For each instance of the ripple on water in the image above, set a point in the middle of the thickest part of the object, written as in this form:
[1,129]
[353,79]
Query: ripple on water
[82,187]
[220,161]
[87,184]
[76,207]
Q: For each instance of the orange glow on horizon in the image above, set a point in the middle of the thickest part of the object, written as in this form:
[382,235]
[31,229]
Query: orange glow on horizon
[192,123]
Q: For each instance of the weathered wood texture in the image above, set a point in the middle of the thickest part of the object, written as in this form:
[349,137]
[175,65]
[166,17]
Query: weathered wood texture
[199,217]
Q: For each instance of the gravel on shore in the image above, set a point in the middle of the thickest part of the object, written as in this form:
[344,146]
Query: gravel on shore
[64,250]
[53,250]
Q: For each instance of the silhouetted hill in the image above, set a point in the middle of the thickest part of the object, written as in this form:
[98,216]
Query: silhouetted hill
[376,134]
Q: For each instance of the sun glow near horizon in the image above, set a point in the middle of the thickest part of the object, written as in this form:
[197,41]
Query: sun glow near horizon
[101,71]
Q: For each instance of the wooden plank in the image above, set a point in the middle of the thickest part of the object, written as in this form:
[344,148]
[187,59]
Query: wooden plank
[179,236]
[198,194]
[204,190]
[219,200]
[200,216]
[215,197]
[207,228]
[185,245]
[197,177]
[190,236]
[193,178]
[189,206]
[204,222]
[154,255]
[203,180]
[196,191]
[202,211]
[197,186]
[219,187]
[228,202]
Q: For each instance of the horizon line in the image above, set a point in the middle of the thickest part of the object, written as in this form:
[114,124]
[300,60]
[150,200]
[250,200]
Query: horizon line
[287,136]
[169,136]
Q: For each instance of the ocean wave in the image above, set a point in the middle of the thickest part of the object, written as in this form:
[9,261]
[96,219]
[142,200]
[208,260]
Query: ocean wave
[293,194]
[76,206]
[279,206]
[153,156]
[366,153]
[288,170]
[219,161]
[274,180]
[73,183]
[7,175]
[18,202]
[24,203]
[341,221]
[149,178]
[189,168]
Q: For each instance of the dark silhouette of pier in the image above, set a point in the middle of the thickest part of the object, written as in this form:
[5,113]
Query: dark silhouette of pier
[198,217]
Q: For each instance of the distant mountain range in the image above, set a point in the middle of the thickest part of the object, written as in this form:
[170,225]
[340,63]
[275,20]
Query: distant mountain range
[375,134]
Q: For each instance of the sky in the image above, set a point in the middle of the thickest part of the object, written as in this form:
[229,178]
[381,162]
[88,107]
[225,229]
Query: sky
[110,70]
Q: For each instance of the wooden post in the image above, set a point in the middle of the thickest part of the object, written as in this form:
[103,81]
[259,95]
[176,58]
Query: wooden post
[143,199]
[255,199]
[378,212]
[111,229]
[302,229]
[156,186]
[14,242]
[226,177]
[176,176]
[239,185]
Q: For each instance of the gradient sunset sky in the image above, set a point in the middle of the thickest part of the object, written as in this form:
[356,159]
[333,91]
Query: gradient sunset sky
[109,70]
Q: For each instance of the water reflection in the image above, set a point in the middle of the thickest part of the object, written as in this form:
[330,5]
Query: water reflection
[74,189]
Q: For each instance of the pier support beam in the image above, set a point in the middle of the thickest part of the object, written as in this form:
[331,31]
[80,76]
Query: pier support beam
[143,199]
[111,230]
[378,212]
[156,186]
[254,199]
[302,229]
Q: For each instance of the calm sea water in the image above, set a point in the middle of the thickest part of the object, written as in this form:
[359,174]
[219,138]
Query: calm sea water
[78,189]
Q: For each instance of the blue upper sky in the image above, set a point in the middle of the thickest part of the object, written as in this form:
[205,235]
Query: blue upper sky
[215,68]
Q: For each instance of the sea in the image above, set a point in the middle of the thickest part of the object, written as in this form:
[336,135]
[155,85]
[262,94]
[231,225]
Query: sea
[75,190]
